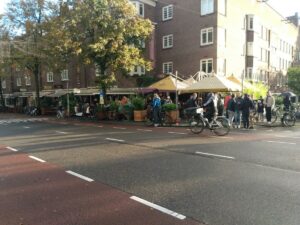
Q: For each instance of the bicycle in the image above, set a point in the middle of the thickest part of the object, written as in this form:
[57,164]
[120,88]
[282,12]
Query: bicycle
[219,124]
[60,114]
[288,118]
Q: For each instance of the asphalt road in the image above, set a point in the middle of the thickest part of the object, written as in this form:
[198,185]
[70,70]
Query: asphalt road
[249,177]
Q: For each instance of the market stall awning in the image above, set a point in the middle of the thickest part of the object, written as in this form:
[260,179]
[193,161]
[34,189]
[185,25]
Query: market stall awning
[213,84]
[86,91]
[240,82]
[58,93]
[169,84]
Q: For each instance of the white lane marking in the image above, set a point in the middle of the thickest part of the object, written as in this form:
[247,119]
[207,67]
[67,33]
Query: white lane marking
[113,139]
[215,155]
[61,132]
[144,130]
[269,130]
[12,149]
[79,176]
[120,128]
[100,126]
[281,142]
[176,133]
[159,208]
[37,159]
[280,136]
[26,127]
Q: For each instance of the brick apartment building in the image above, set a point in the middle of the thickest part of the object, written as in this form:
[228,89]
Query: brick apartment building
[246,38]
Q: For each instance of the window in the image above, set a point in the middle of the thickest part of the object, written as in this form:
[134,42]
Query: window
[168,67]
[207,36]
[64,75]
[206,65]
[138,70]
[19,81]
[167,12]
[207,7]
[249,74]
[139,8]
[3,83]
[50,77]
[250,22]
[27,80]
[222,6]
[168,41]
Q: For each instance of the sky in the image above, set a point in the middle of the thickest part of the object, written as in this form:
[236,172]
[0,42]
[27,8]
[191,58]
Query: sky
[284,7]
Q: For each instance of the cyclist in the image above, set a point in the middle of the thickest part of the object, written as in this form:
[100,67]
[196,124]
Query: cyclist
[287,103]
[191,105]
[210,107]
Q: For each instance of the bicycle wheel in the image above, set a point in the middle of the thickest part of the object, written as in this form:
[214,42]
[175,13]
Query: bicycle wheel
[221,126]
[289,119]
[197,126]
[148,122]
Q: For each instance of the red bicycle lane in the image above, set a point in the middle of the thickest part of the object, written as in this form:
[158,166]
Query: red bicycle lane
[40,193]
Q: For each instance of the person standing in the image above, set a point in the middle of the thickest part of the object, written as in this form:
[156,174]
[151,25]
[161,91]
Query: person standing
[156,104]
[269,104]
[237,116]
[287,103]
[260,109]
[231,109]
[220,105]
[226,100]
[246,106]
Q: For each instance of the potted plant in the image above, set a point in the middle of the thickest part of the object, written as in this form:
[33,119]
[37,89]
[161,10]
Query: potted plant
[101,112]
[139,112]
[171,111]
[112,110]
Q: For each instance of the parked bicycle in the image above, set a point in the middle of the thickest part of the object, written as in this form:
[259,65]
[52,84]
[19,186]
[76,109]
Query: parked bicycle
[288,118]
[164,119]
[219,124]
[60,113]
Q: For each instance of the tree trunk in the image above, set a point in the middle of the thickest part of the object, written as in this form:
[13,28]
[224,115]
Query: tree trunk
[36,72]
[1,94]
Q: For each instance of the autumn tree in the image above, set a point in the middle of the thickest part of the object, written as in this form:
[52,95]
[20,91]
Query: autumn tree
[105,33]
[27,21]
[294,79]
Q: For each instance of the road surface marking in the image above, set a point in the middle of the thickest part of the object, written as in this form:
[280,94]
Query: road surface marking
[79,176]
[61,132]
[113,139]
[176,133]
[37,159]
[144,130]
[159,208]
[281,142]
[100,126]
[12,149]
[214,155]
[269,130]
[120,128]
[26,127]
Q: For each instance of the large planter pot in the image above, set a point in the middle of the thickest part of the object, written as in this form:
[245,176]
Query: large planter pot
[101,115]
[139,115]
[174,115]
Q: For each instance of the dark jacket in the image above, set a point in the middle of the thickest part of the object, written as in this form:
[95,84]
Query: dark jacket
[247,104]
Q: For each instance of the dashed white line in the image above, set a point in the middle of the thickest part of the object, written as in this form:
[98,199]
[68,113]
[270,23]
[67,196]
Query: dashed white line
[61,132]
[281,142]
[26,127]
[113,139]
[79,176]
[100,126]
[37,159]
[145,130]
[120,128]
[12,149]
[176,133]
[215,155]
[159,208]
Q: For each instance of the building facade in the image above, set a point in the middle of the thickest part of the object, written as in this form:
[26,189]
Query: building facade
[245,38]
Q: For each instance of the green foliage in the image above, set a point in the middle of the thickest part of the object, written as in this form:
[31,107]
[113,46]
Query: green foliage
[100,108]
[138,103]
[46,102]
[169,107]
[294,79]
[257,90]
[72,102]
[113,106]
[278,100]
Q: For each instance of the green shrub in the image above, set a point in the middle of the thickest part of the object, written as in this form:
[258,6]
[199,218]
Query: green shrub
[138,103]
[169,107]
[113,106]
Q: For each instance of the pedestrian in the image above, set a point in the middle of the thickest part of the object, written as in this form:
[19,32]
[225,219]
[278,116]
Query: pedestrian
[168,100]
[156,105]
[220,105]
[231,107]
[269,104]
[191,105]
[260,109]
[247,105]
[226,100]
[237,116]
